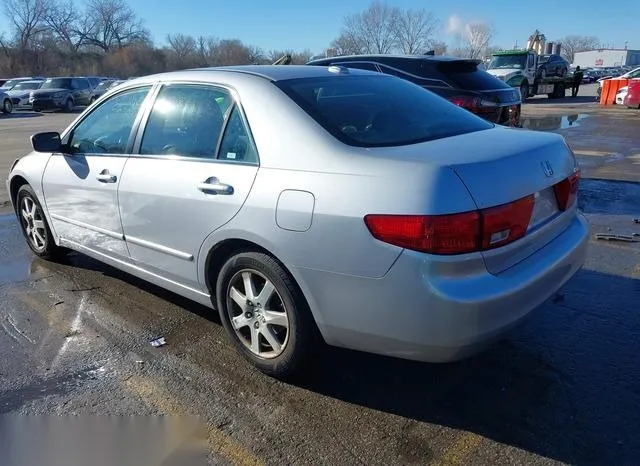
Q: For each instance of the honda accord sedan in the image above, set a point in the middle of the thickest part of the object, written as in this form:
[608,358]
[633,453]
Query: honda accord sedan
[310,204]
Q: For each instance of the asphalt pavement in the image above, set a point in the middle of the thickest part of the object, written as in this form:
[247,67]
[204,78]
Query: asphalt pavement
[562,388]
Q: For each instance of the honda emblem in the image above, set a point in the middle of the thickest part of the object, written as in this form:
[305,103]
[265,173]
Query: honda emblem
[546,167]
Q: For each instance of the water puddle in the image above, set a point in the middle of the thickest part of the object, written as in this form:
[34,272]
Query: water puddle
[551,123]
[15,257]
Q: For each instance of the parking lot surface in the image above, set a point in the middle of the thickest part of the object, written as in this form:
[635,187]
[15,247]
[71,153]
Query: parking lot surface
[562,388]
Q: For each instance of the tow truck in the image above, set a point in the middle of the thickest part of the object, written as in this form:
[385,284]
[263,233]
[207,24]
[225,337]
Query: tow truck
[519,68]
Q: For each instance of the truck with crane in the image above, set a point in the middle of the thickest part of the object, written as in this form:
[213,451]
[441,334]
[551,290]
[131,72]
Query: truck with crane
[521,68]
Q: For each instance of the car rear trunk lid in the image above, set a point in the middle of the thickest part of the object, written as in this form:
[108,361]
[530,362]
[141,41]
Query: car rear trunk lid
[514,173]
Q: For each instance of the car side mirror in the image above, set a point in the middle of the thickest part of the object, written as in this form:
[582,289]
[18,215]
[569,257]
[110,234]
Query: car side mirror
[46,142]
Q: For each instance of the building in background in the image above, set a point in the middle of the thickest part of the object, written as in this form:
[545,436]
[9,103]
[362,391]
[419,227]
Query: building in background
[606,58]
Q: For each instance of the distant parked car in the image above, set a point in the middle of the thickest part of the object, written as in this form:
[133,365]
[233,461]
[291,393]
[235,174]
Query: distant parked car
[632,99]
[21,92]
[552,65]
[100,89]
[11,83]
[6,106]
[93,81]
[622,93]
[458,80]
[633,74]
[62,93]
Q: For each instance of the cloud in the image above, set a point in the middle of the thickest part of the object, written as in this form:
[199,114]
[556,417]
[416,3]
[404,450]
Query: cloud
[455,25]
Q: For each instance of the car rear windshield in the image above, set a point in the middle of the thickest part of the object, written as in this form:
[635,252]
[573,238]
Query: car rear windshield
[378,110]
[466,75]
[57,83]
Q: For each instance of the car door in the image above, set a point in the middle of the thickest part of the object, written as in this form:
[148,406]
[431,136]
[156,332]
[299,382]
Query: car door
[191,174]
[81,185]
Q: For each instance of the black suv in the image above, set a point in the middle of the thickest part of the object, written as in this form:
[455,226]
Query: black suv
[61,93]
[458,80]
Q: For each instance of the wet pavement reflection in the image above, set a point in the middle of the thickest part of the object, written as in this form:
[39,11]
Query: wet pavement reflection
[550,123]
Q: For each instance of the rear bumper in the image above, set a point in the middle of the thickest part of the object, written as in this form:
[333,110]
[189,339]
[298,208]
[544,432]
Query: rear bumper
[506,115]
[46,104]
[417,312]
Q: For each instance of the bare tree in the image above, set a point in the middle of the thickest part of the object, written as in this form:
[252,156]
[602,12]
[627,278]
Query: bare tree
[414,30]
[574,44]
[27,20]
[373,30]
[182,44]
[62,19]
[348,44]
[115,25]
[476,39]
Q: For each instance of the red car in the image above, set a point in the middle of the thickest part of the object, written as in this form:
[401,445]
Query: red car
[632,100]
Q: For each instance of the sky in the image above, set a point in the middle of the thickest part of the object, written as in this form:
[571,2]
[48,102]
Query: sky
[313,24]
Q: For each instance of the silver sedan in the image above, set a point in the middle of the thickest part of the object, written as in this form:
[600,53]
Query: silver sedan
[311,204]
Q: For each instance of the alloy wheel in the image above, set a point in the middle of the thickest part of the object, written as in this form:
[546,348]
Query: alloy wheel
[258,314]
[32,220]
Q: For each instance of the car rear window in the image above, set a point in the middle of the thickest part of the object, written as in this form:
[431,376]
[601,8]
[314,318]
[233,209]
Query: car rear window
[466,75]
[379,110]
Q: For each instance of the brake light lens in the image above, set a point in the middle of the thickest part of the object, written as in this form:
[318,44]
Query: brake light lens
[438,234]
[456,233]
[470,103]
[566,191]
[506,223]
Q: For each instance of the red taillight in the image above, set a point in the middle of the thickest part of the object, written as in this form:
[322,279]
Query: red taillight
[506,223]
[456,233]
[437,234]
[566,191]
[470,103]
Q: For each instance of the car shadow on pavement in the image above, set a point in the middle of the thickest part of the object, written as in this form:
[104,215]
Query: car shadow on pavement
[580,99]
[20,115]
[565,385]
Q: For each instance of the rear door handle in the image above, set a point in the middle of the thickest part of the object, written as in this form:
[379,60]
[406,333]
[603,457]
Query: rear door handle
[213,185]
[105,177]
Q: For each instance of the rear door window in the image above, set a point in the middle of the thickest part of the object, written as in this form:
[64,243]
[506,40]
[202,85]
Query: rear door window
[379,110]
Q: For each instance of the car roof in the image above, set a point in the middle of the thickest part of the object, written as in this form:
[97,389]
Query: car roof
[279,72]
[438,58]
[271,73]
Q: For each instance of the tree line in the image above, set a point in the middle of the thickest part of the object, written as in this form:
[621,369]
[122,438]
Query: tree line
[107,37]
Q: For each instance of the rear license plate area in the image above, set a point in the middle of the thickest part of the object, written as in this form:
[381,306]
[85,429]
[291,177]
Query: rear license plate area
[544,208]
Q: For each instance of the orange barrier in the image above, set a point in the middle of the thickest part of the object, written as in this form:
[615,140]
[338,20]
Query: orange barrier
[610,88]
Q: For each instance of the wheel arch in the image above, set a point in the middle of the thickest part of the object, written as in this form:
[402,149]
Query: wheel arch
[14,185]
[221,251]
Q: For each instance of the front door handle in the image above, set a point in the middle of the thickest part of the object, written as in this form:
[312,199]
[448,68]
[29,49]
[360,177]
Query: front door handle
[105,177]
[213,185]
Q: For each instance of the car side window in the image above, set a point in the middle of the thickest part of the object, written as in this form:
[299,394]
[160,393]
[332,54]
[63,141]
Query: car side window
[186,120]
[106,129]
[236,145]
[82,84]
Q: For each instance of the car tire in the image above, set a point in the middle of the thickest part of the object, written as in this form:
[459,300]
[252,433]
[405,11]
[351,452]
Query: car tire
[34,225]
[280,348]
[7,106]
[524,91]
[68,106]
[92,100]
